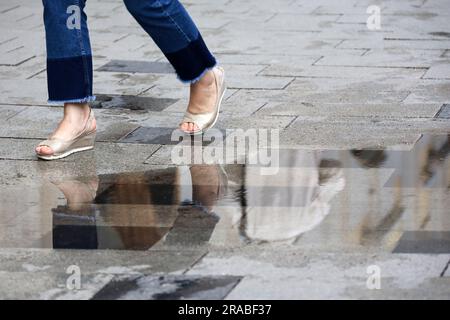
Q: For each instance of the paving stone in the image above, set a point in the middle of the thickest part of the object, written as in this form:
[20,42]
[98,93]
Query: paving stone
[283,21]
[259,42]
[150,135]
[47,286]
[348,91]
[444,112]
[333,110]
[120,84]
[167,288]
[387,57]
[28,69]
[107,157]
[424,242]
[262,82]
[7,111]
[440,71]
[297,60]
[361,73]
[132,102]
[381,133]
[23,92]
[396,44]
[115,131]
[112,123]
[254,122]
[340,281]
[137,66]
[430,91]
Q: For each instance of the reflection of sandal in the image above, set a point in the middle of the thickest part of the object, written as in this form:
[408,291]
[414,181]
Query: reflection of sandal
[205,121]
[63,148]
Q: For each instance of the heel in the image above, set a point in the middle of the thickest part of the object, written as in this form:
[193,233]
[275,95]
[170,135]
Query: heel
[87,141]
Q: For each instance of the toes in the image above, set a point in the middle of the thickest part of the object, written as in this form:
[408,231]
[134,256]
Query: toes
[184,126]
[189,127]
[44,150]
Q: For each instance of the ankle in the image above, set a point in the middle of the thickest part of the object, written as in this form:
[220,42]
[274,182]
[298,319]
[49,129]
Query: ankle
[77,108]
[76,112]
[208,79]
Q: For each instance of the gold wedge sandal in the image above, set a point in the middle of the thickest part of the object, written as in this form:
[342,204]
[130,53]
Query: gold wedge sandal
[63,148]
[206,121]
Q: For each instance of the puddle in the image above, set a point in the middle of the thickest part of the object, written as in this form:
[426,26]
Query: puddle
[135,103]
[382,200]
[167,288]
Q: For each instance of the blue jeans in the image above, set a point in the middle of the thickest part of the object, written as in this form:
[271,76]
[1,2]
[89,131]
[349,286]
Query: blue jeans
[69,55]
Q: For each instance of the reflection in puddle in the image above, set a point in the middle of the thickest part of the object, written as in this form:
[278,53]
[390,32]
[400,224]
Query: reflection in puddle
[134,211]
[328,198]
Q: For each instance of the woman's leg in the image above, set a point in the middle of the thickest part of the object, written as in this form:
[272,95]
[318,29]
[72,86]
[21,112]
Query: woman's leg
[69,65]
[172,29]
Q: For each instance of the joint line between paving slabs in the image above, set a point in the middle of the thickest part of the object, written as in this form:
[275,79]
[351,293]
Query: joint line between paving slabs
[151,155]
[254,112]
[406,97]
[314,63]
[238,90]
[10,9]
[290,123]
[271,17]
[146,90]
[445,269]
[288,84]
[424,73]
[195,262]
[15,114]
[13,159]
[436,116]
[121,38]
[341,42]
[36,74]
[234,286]
[127,134]
[15,38]
[262,70]
[17,64]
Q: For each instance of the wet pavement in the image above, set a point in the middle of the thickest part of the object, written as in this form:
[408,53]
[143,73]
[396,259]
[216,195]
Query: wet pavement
[364,202]
[358,207]
[344,200]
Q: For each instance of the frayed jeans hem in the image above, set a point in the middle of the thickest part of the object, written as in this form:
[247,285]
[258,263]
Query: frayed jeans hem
[197,79]
[82,100]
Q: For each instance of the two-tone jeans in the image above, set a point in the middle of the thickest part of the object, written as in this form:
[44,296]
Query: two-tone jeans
[69,54]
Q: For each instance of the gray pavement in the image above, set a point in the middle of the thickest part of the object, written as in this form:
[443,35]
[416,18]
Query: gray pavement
[313,70]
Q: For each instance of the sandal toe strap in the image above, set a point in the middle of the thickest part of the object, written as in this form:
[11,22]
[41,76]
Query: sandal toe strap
[201,120]
[55,144]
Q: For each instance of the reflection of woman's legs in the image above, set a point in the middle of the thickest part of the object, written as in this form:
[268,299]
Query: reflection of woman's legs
[208,185]
[78,193]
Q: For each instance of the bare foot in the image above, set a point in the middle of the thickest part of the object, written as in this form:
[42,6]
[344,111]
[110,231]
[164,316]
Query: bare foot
[202,98]
[73,123]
